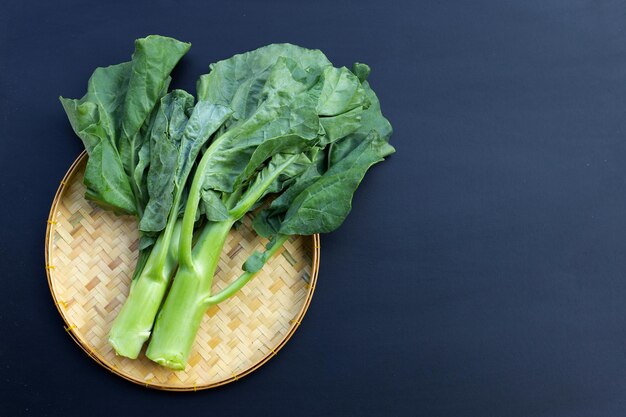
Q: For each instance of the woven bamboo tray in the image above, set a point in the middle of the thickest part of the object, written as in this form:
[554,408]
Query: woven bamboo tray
[90,256]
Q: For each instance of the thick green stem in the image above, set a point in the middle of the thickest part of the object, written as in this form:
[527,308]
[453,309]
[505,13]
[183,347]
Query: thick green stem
[171,240]
[191,208]
[133,323]
[181,315]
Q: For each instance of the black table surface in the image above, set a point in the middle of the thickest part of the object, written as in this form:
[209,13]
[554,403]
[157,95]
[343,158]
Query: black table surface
[482,271]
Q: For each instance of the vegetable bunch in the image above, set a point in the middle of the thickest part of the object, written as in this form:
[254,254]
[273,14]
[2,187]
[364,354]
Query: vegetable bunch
[279,121]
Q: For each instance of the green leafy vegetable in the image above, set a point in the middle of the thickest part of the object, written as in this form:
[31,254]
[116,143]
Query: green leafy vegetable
[280,121]
[277,144]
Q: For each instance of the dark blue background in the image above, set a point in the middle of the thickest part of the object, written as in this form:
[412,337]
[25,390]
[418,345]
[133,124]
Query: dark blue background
[482,271]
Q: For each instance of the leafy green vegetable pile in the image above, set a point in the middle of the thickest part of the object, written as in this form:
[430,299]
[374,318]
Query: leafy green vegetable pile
[279,121]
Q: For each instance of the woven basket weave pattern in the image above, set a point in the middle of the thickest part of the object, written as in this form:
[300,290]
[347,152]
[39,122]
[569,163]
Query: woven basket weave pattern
[91,254]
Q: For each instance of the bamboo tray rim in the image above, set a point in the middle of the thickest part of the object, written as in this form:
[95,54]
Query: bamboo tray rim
[84,345]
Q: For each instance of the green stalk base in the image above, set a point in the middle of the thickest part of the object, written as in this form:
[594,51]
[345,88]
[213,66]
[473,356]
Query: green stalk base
[181,315]
[133,324]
